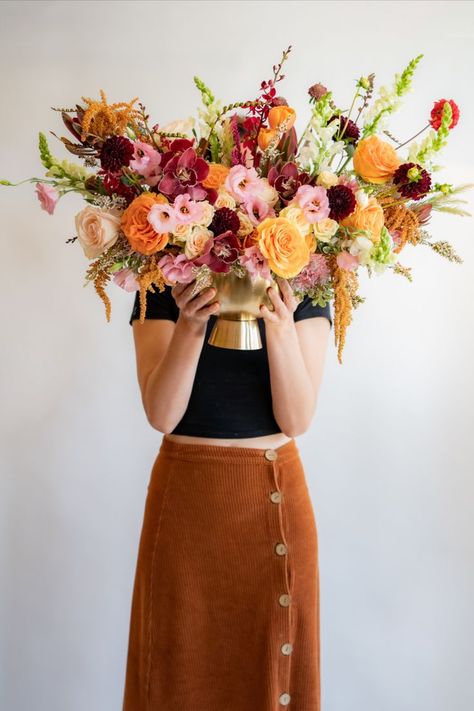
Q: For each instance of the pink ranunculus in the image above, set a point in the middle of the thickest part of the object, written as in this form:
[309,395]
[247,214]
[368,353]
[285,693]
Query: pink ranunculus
[314,202]
[162,217]
[346,260]
[243,183]
[188,211]
[48,196]
[257,209]
[146,160]
[178,269]
[255,263]
[126,279]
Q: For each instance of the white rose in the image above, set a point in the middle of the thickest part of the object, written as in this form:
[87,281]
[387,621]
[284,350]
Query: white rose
[97,230]
[224,199]
[246,226]
[267,192]
[181,232]
[196,241]
[208,214]
[325,229]
[295,215]
[327,179]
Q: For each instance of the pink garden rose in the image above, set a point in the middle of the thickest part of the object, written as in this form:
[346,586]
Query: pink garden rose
[126,279]
[177,269]
[346,260]
[48,196]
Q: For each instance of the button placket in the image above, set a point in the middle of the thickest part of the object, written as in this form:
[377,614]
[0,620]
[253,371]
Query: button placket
[284,600]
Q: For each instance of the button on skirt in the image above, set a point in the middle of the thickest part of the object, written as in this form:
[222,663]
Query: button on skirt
[225,606]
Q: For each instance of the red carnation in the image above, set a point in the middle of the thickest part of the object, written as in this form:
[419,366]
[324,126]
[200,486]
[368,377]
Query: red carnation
[437,112]
[117,151]
[342,202]
[412,181]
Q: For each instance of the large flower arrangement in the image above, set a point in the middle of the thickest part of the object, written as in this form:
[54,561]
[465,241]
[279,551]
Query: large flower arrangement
[235,189]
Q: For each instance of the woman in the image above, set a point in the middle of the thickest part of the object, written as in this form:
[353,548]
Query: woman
[225,609]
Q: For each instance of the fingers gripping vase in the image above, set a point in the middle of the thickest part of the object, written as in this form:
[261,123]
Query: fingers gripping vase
[236,325]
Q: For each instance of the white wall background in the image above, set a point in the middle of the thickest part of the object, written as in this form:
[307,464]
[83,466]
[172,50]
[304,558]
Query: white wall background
[389,455]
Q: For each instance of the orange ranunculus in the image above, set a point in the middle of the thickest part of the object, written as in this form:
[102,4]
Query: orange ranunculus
[216,176]
[375,160]
[281,114]
[265,137]
[369,218]
[137,229]
[283,245]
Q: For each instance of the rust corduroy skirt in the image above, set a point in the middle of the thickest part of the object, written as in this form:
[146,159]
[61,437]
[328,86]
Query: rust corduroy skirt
[225,607]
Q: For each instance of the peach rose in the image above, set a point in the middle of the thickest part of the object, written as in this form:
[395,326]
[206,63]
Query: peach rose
[279,115]
[137,229]
[375,160]
[283,245]
[196,242]
[224,199]
[216,176]
[368,218]
[97,230]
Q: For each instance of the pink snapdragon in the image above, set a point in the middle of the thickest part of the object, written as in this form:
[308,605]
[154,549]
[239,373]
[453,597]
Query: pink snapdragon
[126,279]
[255,263]
[48,196]
[187,211]
[314,202]
[177,269]
[346,260]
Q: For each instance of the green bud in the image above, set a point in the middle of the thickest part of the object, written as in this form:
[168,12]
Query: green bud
[364,83]
[413,174]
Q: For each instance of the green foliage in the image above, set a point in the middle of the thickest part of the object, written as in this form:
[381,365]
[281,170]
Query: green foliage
[45,154]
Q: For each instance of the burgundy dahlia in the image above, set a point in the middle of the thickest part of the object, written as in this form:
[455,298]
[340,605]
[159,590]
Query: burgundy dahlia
[412,181]
[348,130]
[116,151]
[220,252]
[113,184]
[342,202]
[225,220]
[287,180]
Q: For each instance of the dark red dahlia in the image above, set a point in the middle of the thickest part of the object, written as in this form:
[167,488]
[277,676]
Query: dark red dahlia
[412,181]
[287,180]
[220,252]
[116,151]
[225,220]
[437,112]
[342,202]
[348,130]
[113,184]
[183,172]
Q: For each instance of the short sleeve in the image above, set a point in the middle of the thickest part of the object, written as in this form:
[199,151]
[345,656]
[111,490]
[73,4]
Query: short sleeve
[305,309]
[159,305]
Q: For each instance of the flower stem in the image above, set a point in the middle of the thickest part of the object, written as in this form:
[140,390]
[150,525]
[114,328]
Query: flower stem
[413,137]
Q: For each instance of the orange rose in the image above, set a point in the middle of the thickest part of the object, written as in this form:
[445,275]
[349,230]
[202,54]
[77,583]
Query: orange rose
[265,137]
[216,176]
[368,218]
[375,160]
[137,229]
[281,114]
[283,245]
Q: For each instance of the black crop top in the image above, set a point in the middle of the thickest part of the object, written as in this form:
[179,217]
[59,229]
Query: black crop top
[231,394]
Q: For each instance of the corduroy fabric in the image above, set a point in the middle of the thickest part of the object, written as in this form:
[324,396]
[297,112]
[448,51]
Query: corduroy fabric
[225,607]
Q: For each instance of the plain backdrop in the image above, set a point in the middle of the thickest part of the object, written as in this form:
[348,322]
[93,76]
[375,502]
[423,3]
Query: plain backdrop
[389,453]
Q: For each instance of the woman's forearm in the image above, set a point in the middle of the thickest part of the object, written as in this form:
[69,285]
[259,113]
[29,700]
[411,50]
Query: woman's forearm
[293,396]
[169,385]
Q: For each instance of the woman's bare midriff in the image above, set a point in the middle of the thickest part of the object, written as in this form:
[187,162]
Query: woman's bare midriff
[271,441]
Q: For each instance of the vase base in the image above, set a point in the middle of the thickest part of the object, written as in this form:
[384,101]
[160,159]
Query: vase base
[242,335]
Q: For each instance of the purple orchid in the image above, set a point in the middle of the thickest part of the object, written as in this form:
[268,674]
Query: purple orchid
[287,180]
[220,252]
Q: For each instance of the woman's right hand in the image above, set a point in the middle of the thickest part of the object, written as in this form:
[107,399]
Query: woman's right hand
[195,310]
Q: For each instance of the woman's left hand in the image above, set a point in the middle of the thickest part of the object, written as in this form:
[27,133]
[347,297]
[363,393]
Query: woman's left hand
[283,305]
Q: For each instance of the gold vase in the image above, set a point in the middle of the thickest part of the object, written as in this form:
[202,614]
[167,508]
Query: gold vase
[236,325]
